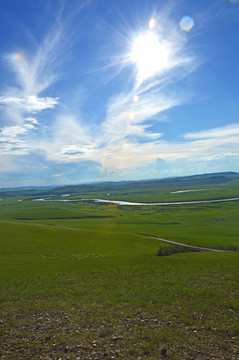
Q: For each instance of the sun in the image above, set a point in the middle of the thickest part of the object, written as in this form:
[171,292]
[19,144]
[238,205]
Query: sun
[151,55]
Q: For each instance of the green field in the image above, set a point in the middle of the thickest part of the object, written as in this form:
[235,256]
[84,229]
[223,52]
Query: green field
[79,280]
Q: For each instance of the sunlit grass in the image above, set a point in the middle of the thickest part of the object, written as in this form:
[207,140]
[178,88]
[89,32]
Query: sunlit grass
[78,280]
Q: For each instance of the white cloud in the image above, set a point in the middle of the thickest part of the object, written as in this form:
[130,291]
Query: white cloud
[70,140]
[228,130]
[128,155]
[29,126]
[11,132]
[32,120]
[14,140]
[30,104]
[118,144]
[125,118]
[34,72]
[221,156]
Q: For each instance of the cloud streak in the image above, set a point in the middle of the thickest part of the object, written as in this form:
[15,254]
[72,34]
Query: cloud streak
[35,71]
[220,132]
[30,104]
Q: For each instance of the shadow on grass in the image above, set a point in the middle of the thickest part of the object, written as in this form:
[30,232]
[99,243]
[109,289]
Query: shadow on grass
[170,250]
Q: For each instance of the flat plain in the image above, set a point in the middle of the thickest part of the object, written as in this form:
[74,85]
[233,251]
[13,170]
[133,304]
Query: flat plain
[81,280]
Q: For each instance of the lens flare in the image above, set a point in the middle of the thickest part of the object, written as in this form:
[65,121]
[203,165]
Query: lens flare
[234,1]
[152,23]
[187,23]
[18,57]
[132,116]
[135,98]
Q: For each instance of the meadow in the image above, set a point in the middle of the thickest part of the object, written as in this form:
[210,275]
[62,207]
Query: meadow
[81,280]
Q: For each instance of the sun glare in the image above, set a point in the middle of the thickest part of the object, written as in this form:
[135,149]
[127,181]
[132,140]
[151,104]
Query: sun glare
[150,55]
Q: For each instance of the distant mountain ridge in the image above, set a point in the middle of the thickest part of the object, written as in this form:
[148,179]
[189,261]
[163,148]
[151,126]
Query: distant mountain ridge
[200,179]
[190,180]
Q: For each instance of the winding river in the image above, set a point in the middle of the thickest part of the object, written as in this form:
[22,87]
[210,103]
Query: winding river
[128,203]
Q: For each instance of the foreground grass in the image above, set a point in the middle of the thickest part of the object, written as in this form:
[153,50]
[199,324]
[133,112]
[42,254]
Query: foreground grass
[78,281]
[84,294]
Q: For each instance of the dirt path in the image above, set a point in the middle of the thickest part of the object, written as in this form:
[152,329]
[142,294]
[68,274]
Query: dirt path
[197,248]
[53,225]
[37,224]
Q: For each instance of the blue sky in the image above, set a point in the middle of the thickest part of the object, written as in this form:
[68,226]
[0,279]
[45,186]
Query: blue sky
[117,90]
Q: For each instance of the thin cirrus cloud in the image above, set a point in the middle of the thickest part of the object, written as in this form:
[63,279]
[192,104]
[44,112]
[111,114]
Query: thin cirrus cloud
[214,144]
[34,73]
[228,130]
[117,138]
[13,139]
[125,118]
[68,141]
[30,104]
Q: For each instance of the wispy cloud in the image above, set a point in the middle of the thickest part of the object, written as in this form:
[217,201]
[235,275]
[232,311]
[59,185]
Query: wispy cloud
[128,155]
[220,132]
[124,118]
[35,70]
[13,140]
[32,120]
[70,140]
[30,104]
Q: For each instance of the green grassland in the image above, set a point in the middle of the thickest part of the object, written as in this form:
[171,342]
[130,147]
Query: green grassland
[79,280]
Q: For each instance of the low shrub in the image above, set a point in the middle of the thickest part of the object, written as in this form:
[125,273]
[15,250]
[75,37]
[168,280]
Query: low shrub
[170,250]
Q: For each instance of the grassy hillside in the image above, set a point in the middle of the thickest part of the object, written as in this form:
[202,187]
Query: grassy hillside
[68,293]
[79,280]
[211,225]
